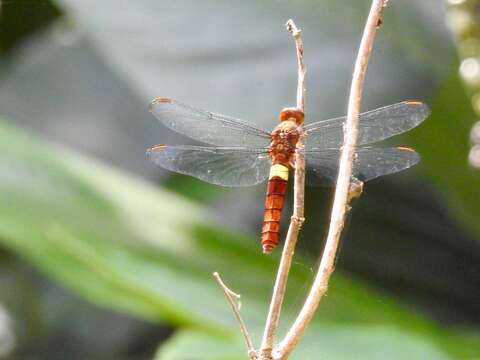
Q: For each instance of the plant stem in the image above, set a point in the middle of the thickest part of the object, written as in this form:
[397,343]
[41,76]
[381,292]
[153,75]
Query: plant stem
[234,301]
[297,218]
[340,203]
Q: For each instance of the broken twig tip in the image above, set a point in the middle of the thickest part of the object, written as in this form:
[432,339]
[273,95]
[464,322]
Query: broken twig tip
[234,301]
[292,28]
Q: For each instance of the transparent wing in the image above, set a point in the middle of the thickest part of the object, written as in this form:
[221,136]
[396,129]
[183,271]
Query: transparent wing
[375,125]
[225,166]
[369,163]
[206,126]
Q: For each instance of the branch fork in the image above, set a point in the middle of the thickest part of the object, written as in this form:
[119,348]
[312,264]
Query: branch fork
[345,191]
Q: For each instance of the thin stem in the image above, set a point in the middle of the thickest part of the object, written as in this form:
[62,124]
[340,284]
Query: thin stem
[234,300]
[296,33]
[340,203]
[297,219]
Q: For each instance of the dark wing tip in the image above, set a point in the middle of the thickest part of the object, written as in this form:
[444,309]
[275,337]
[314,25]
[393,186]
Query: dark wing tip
[155,148]
[159,100]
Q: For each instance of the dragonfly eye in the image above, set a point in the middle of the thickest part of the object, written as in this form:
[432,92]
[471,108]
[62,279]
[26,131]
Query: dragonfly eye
[292,113]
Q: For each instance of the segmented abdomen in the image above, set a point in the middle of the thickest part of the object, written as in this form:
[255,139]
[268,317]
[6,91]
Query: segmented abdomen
[276,189]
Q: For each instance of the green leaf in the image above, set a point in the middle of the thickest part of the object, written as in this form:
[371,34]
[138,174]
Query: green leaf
[124,244]
[339,342]
[196,345]
[444,144]
[104,234]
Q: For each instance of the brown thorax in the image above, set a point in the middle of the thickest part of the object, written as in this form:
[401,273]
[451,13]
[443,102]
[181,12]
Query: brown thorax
[285,136]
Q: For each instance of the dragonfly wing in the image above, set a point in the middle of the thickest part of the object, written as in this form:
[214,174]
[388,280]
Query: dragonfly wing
[375,125]
[322,169]
[369,163]
[225,166]
[206,126]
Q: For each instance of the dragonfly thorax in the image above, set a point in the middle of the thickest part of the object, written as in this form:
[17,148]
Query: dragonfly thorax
[284,141]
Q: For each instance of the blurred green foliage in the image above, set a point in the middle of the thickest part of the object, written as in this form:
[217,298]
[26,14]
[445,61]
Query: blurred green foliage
[443,142]
[123,244]
[19,19]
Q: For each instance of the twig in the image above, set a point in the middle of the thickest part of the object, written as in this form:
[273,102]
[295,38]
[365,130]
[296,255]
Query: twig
[297,219]
[296,33]
[340,203]
[234,300]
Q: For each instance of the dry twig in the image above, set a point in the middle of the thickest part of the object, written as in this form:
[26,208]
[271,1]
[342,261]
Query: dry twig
[339,209]
[340,204]
[297,218]
[234,300]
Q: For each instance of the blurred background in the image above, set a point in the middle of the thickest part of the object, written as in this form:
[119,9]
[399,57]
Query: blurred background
[104,255]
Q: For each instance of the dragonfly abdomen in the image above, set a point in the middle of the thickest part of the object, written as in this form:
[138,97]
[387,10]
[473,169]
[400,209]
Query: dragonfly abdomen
[274,202]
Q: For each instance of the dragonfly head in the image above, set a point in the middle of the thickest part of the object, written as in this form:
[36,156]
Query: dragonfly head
[292,113]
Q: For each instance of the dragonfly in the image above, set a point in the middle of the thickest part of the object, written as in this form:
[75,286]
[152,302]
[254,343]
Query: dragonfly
[240,153]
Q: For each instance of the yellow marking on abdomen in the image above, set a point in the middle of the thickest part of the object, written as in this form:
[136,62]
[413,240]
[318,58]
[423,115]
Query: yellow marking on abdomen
[280,171]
